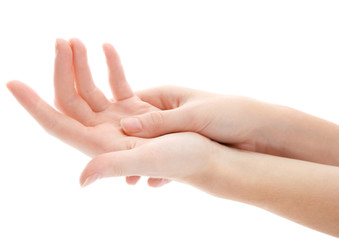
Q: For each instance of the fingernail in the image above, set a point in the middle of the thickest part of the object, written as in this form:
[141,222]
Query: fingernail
[90,180]
[131,124]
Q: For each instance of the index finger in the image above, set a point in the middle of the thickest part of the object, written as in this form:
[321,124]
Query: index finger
[55,123]
[66,96]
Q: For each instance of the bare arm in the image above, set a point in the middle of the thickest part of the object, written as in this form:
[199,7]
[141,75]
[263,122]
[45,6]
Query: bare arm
[304,192]
[298,135]
[244,123]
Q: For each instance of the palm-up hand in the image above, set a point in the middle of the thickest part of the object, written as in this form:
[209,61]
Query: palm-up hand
[89,121]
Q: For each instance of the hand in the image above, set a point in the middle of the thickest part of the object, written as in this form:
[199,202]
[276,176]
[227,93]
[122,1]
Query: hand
[238,121]
[301,191]
[183,157]
[241,122]
[89,121]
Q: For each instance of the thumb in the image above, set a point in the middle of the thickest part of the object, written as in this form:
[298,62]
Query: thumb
[157,123]
[115,164]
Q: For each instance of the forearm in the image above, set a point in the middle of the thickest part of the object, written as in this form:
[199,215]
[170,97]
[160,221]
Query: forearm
[294,134]
[304,192]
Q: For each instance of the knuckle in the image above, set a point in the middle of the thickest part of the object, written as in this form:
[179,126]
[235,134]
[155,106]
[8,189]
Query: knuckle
[193,119]
[117,171]
[156,120]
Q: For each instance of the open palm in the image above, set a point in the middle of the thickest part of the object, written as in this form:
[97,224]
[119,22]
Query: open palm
[88,120]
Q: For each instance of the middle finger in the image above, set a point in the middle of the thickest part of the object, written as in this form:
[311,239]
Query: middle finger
[66,97]
[84,81]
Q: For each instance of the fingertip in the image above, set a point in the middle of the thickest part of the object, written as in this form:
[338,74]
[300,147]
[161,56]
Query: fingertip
[108,49]
[76,42]
[72,42]
[61,43]
[10,84]
[132,180]
[91,167]
[100,164]
[157,182]
[58,41]
[31,101]
[78,47]
[86,175]
[16,87]
[82,177]
[89,180]
[7,83]
[107,45]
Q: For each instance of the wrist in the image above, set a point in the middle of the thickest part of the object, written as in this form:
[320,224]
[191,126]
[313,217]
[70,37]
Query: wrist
[220,177]
[273,131]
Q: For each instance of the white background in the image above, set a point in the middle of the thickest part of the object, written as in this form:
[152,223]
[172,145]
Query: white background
[285,52]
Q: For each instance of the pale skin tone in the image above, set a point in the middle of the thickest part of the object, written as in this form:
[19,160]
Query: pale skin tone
[88,120]
[242,122]
[303,191]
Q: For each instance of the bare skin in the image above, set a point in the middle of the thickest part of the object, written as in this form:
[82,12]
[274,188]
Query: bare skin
[303,191]
[88,120]
[242,122]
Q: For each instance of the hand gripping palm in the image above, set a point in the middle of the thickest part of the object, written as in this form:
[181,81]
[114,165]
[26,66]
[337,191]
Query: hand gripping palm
[88,120]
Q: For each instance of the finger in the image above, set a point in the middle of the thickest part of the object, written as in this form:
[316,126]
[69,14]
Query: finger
[132,180]
[158,182]
[66,97]
[119,86]
[55,123]
[121,163]
[165,97]
[158,123]
[84,81]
